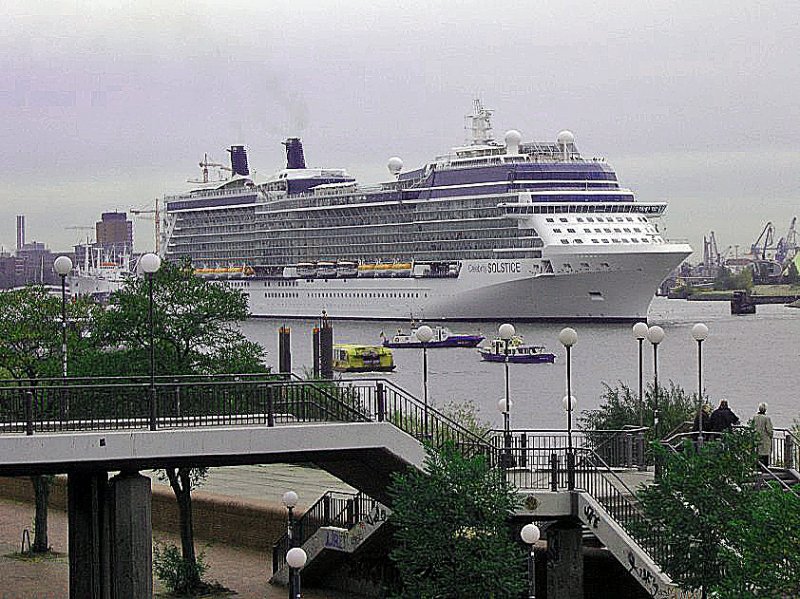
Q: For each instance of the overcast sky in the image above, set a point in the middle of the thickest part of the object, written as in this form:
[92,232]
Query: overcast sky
[106,105]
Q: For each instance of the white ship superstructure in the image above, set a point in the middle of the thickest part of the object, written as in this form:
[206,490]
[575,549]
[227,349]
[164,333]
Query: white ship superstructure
[524,231]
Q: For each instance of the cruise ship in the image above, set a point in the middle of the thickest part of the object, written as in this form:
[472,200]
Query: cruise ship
[510,230]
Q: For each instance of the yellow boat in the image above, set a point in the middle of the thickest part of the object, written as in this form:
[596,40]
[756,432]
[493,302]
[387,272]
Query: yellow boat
[349,357]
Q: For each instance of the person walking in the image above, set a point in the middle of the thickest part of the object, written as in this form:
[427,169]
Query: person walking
[705,415]
[763,427]
[723,418]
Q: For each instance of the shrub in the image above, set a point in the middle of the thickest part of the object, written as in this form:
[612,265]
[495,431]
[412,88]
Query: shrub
[179,575]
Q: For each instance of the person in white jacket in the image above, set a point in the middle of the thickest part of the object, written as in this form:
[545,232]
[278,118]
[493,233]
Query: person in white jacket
[763,427]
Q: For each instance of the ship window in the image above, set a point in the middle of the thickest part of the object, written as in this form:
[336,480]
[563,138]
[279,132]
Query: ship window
[566,241]
[615,240]
[617,230]
[580,220]
[578,241]
[549,220]
[562,219]
[629,219]
[556,230]
[589,219]
[645,240]
[570,230]
[624,240]
[637,230]
[595,241]
[607,230]
[634,240]
[626,229]
[605,240]
[587,230]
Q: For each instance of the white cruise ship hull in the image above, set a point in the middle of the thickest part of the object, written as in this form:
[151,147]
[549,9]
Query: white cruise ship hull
[615,285]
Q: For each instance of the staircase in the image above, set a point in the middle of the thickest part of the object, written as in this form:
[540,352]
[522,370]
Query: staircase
[338,523]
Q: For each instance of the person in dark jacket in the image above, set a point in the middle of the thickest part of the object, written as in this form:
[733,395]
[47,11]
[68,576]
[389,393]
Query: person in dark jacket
[723,418]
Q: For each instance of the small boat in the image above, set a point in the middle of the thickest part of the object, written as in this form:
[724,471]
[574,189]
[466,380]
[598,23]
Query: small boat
[366,270]
[346,269]
[306,270]
[348,357]
[326,270]
[442,337]
[518,352]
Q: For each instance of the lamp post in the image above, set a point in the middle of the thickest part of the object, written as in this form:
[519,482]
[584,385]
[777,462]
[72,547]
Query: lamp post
[150,263]
[655,335]
[568,337]
[530,534]
[289,500]
[63,266]
[507,332]
[700,332]
[504,407]
[640,333]
[424,335]
[295,558]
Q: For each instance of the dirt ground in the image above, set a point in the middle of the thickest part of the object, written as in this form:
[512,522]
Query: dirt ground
[244,572]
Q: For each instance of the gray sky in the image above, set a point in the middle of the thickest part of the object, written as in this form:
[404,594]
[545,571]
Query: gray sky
[106,105]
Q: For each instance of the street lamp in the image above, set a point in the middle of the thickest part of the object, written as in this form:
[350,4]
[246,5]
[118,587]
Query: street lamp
[150,263]
[289,499]
[640,333]
[700,332]
[63,266]
[530,534]
[507,332]
[296,558]
[504,407]
[424,335]
[568,337]
[655,335]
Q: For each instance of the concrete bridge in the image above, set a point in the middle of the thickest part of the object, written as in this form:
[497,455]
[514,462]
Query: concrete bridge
[361,431]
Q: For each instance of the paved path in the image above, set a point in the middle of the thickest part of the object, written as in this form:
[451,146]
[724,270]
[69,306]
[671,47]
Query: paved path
[245,572]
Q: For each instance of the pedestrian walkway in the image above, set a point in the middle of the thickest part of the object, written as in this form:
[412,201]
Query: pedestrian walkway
[244,572]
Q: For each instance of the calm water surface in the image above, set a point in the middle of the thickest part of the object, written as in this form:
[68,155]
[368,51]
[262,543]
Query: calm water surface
[746,359]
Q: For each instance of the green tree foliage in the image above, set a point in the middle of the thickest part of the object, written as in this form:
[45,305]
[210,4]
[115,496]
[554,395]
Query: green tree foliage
[619,408]
[725,535]
[195,332]
[452,534]
[30,348]
[726,280]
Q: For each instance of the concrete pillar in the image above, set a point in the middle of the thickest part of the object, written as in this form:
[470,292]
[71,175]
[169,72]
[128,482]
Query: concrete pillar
[88,566]
[564,561]
[131,536]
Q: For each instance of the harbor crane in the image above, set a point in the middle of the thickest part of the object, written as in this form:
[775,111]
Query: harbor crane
[787,245]
[156,212]
[764,242]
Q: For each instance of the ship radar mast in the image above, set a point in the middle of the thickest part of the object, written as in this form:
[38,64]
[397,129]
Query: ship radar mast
[479,125]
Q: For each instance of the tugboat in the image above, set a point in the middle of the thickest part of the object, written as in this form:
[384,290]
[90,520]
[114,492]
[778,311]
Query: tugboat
[442,337]
[518,352]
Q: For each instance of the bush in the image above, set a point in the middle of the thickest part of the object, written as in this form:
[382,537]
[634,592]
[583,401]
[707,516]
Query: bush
[179,575]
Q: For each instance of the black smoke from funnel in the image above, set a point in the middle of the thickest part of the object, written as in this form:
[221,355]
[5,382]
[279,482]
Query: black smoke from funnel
[239,161]
[294,153]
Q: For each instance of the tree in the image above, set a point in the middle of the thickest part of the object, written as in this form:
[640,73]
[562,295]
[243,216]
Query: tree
[30,348]
[195,332]
[619,408]
[725,535]
[452,534]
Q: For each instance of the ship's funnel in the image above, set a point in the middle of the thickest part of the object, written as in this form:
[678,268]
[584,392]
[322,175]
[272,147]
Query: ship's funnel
[239,161]
[294,153]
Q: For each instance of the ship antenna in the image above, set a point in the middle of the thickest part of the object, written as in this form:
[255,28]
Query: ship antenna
[479,124]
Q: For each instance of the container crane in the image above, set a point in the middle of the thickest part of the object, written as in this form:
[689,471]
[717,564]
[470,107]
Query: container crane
[156,212]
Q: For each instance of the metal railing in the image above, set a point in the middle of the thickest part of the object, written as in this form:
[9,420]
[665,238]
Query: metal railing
[335,508]
[533,448]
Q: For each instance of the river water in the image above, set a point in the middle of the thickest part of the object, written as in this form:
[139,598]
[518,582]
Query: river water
[746,359]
